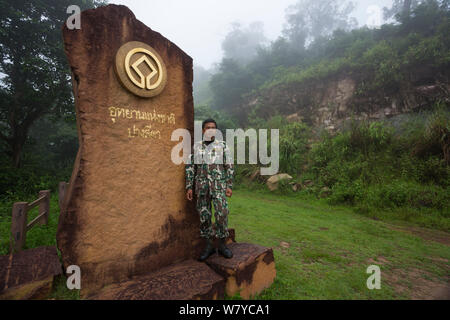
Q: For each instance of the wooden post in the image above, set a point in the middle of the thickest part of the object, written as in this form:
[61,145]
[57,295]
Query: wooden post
[44,206]
[61,193]
[18,226]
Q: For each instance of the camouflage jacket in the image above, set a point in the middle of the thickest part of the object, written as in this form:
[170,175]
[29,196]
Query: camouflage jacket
[210,167]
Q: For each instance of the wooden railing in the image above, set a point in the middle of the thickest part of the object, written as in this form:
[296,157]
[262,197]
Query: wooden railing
[19,225]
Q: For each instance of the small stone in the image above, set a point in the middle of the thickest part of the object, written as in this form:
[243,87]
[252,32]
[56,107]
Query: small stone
[325,192]
[308,183]
[285,244]
[272,182]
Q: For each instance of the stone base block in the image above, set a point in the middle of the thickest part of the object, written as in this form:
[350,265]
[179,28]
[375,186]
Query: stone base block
[251,270]
[28,274]
[188,280]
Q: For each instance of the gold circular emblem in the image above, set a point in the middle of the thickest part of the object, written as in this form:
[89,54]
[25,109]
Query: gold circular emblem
[140,69]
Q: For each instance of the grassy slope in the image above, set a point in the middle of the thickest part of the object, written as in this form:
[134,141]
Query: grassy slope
[329,250]
[331,247]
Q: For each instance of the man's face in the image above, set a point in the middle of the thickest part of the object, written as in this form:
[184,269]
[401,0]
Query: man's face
[209,131]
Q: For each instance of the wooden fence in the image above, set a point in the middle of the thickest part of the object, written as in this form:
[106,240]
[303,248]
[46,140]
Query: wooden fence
[19,225]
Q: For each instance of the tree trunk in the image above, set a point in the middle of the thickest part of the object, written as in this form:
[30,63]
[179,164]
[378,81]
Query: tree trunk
[407,8]
[17,153]
[16,144]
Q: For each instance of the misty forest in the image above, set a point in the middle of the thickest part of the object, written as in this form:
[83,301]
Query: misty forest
[364,139]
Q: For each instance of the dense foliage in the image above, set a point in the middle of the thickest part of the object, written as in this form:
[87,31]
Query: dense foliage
[372,166]
[38,139]
[382,61]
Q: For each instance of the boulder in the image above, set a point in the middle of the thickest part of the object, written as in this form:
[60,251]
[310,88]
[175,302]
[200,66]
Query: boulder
[272,182]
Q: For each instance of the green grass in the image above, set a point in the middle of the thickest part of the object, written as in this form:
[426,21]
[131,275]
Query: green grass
[330,248]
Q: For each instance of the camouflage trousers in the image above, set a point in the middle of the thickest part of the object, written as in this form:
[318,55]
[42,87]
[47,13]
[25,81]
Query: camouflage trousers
[220,213]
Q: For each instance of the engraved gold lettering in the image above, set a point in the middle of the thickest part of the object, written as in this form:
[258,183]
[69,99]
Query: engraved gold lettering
[112,112]
[171,119]
[128,112]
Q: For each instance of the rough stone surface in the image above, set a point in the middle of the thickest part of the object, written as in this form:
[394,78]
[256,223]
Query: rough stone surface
[248,272]
[28,274]
[188,280]
[333,103]
[272,182]
[125,211]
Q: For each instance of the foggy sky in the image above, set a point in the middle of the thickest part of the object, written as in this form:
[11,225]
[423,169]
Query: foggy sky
[198,27]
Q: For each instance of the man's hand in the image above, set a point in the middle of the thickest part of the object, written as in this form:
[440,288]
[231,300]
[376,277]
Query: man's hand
[189,194]
[229,192]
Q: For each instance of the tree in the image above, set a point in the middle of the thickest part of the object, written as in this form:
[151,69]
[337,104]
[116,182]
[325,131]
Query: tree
[229,84]
[309,20]
[241,44]
[202,91]
[224,121]
[422,17]
[35,74]
[402,8]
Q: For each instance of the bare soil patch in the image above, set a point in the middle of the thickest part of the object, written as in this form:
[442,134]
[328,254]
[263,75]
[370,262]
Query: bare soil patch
[426,234]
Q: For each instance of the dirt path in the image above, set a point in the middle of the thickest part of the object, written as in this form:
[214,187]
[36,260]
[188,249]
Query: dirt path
[422,284]
[426,234]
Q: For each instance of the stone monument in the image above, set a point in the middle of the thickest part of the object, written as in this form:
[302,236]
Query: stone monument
[123,213]
[125,221]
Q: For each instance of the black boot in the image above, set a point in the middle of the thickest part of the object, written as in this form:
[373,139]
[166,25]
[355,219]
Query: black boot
[224,250]
[209,250]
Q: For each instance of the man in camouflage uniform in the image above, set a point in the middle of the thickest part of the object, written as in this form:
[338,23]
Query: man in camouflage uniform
[210,173]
